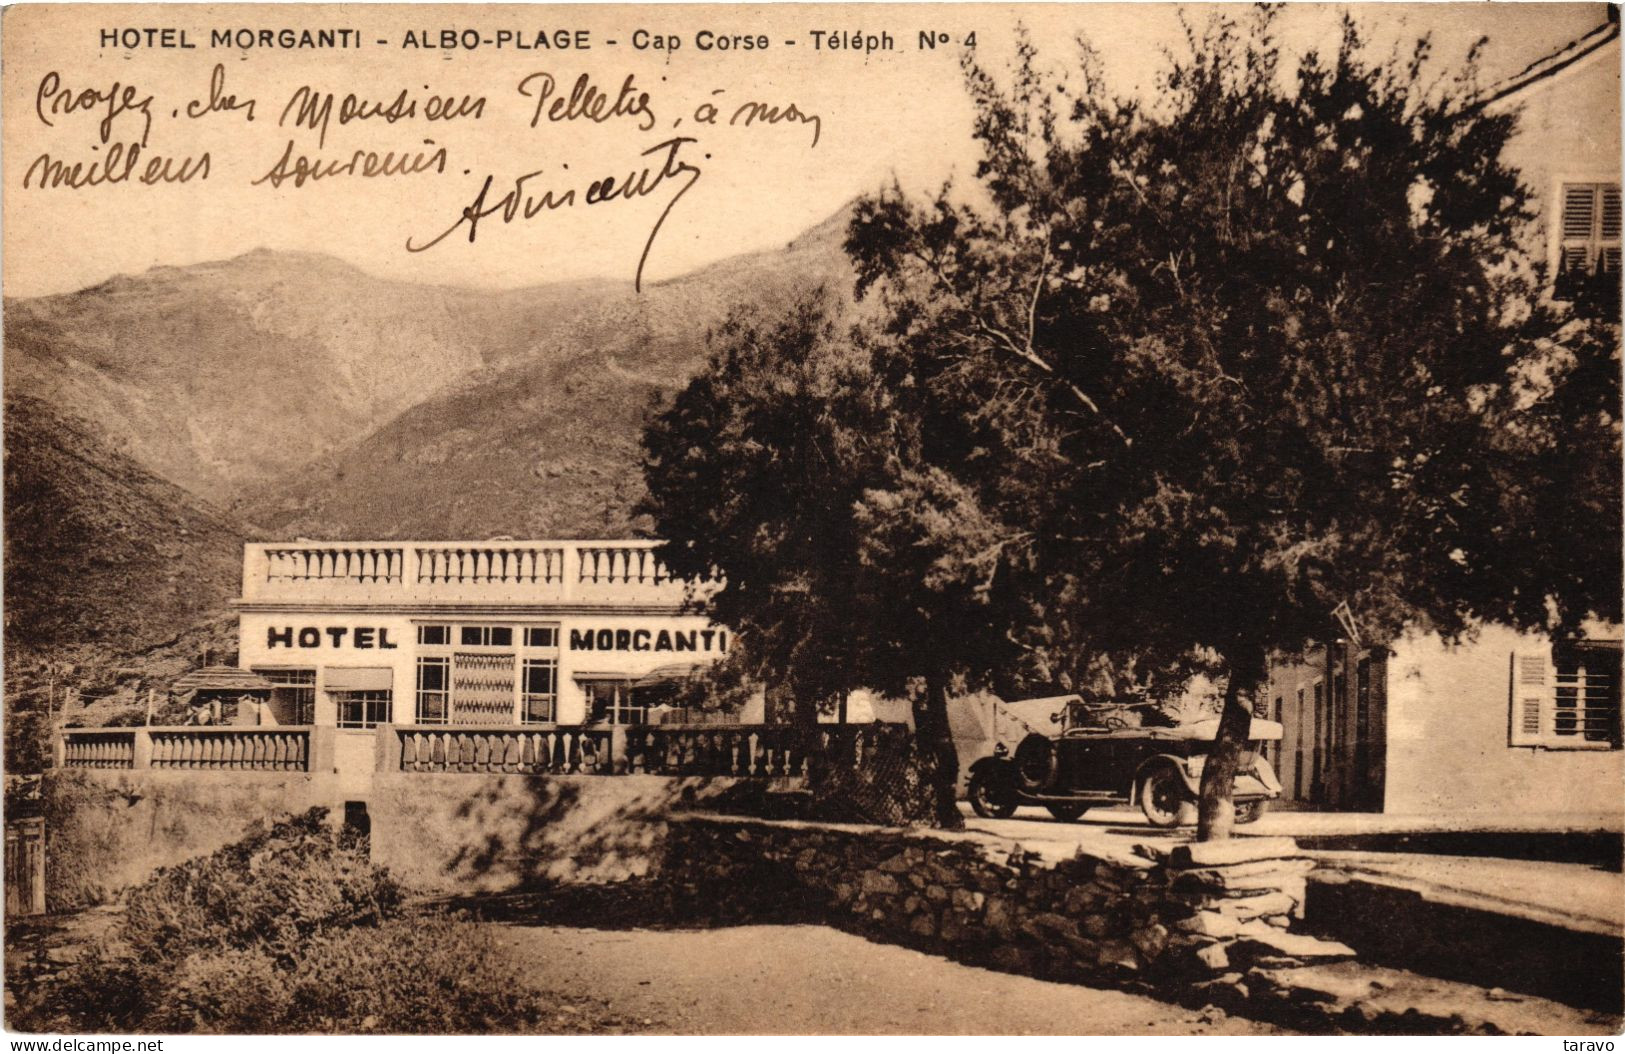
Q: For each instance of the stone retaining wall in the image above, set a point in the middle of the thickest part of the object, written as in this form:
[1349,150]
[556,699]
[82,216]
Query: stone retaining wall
[1197,913]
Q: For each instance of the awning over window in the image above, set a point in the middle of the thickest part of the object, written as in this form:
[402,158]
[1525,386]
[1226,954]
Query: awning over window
[675,673]
[359,679]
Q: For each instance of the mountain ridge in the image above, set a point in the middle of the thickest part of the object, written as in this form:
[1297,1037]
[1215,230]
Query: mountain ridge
[278,393]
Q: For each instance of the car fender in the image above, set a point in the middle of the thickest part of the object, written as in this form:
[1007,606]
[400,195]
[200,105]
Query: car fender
[1193,780]
[1264,773]
[1001,770]
[1257,782]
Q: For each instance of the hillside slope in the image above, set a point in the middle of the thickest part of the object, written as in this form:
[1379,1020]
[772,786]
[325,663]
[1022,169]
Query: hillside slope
[223,375]
[546,445]
[99,552]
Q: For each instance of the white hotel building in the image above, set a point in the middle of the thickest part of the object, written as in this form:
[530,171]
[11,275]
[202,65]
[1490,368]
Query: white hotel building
[361,634]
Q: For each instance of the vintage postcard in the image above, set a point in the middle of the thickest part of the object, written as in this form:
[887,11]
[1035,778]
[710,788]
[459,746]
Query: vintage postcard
[908,519]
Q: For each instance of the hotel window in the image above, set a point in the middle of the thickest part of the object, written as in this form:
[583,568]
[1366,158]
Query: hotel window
[1588,229]
[1567,698]
[541,636]
[362,709]
[434,634]
[293,695]
[486,636]
[610,702]
[539,702]
[434,690]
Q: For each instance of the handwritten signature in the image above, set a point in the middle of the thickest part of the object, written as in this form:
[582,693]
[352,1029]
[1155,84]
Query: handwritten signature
[523,202]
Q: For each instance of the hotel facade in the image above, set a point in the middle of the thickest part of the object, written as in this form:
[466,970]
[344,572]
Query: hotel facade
[356,635]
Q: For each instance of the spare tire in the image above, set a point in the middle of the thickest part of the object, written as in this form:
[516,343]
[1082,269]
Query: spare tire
[1034,762]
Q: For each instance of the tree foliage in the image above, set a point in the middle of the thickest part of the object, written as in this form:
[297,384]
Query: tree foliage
[1185,378]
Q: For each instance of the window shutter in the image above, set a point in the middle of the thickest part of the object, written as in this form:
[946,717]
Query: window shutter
[1579,211]
[1609,231]
[1531,699]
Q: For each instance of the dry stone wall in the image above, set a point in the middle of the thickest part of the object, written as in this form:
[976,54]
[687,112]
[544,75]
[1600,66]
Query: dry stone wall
[1197,913]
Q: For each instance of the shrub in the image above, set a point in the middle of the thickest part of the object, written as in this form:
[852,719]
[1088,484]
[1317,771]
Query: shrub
[273,890]
[290,929]
[79,832]
[427,975]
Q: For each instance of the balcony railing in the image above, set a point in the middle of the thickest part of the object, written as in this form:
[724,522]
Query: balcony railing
[773,751]
[253,749]
[518,572]
[98,748]
[532,749]
[278,749]
[741,751]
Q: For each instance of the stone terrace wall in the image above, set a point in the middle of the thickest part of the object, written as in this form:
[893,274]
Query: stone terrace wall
[1196,913]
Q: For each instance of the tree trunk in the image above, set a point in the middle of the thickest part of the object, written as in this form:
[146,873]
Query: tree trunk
[936,743]
[1216,810]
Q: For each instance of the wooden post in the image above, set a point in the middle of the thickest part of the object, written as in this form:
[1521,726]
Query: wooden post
[152,694]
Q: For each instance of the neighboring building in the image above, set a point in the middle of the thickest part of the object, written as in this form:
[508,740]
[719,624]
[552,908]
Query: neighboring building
[361,634]
[1567,148]
[1508,722]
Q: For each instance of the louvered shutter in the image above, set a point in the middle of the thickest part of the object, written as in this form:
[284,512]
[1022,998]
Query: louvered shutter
[1579,226]
[1531,699]
[1589,227]
[1608,231]
[1608,228]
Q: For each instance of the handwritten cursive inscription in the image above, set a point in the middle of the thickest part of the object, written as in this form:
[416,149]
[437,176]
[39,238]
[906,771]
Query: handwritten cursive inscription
[52,99]
[522,202]
[586,101]
[218,101]
[367,164]
[315,110]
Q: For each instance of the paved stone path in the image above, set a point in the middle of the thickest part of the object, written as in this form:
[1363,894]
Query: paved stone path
[816,980]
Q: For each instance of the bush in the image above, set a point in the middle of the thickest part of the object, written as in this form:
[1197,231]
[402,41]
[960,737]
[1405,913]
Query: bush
[417,975]
[424,975]
[74,843]
[273,890]
[289,930]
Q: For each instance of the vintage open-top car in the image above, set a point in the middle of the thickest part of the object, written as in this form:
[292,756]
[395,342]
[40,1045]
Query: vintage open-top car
[1107,753]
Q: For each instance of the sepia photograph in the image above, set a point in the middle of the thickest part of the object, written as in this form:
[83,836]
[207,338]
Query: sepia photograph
[921,519]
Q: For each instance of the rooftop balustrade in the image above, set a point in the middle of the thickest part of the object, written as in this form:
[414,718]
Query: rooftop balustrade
[580,572]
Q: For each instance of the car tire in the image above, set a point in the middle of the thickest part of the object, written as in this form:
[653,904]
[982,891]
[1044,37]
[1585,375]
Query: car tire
[1163,796]
[1034,763]
[1066,812]
[988,799]
[1250,811]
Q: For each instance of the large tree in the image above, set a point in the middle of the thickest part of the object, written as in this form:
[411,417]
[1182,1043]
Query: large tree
[1175,379]
[1282,328]
[848,557]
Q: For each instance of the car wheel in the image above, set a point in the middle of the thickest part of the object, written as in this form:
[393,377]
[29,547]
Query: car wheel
[1250,811]
[1035,763]
[1066,812]
[1162,796]
[989,800]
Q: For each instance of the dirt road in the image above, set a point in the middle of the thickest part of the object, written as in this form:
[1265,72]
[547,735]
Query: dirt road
[812,979]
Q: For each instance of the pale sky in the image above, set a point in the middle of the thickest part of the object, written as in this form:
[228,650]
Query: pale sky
[898,112]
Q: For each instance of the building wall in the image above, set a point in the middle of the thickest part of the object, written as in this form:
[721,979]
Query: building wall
[436,832]
[1448,718]
[1568,132]
[1330,755]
